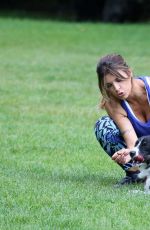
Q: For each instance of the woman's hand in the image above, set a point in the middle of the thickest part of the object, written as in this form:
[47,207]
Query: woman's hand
[122,156]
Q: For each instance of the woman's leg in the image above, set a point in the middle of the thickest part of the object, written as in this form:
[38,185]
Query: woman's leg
[109,137]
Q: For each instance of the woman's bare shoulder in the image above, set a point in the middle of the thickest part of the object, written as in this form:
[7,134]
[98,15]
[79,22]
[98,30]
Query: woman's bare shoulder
[113,107]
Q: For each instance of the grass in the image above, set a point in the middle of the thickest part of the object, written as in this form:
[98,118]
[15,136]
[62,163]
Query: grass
[53,173]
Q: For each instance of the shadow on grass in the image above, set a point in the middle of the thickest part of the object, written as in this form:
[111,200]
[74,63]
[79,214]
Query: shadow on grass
[102,179]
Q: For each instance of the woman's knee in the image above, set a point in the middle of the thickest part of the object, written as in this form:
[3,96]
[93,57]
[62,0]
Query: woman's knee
[106,130]
[108,135]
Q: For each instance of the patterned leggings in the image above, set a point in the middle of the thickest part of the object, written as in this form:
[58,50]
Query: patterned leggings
[109,137]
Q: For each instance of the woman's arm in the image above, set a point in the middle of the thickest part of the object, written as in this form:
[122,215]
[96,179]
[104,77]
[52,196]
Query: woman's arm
[119,116]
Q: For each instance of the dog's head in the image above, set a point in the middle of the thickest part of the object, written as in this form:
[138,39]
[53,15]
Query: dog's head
[141,152]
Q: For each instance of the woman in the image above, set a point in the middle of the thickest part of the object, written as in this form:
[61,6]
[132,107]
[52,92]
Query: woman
[127,103]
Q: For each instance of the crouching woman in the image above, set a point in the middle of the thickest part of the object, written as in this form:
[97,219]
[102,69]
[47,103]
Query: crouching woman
[126,100]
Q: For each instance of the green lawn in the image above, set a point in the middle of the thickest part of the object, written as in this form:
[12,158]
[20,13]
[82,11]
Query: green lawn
[53,173]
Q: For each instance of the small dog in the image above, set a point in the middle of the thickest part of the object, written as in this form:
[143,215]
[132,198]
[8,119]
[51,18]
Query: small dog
[140,155]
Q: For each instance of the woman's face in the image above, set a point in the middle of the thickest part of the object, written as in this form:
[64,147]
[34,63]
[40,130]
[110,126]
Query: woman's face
[119,88]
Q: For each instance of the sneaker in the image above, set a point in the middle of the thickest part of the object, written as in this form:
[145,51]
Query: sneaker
[130,178]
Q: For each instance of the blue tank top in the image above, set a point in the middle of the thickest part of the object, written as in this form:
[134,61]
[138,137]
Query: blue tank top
[141,128]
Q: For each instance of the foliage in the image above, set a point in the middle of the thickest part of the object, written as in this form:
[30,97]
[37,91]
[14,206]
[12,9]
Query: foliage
[83,10]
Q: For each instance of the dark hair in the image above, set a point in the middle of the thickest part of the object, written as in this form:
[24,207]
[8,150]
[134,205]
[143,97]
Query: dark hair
[110,63]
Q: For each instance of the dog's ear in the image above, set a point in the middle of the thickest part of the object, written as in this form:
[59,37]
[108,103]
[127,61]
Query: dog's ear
[147,160]
[137,141]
